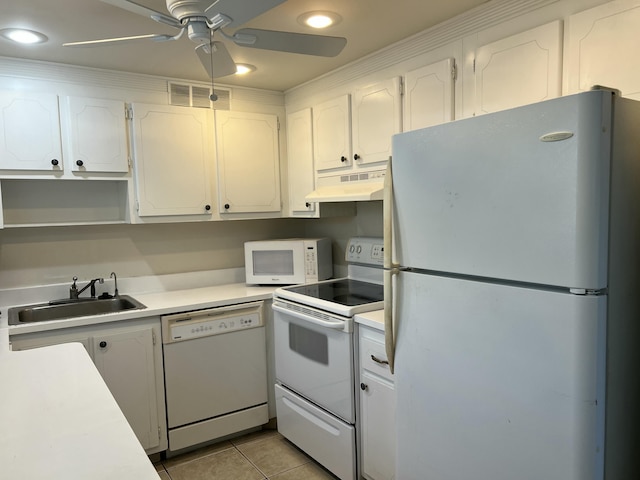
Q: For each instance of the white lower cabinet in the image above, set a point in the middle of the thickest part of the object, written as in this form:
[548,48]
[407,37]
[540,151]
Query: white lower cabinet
[129,358]
[377,408]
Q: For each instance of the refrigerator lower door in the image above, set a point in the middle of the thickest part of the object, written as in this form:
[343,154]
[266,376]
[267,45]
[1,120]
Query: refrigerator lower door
[498,382]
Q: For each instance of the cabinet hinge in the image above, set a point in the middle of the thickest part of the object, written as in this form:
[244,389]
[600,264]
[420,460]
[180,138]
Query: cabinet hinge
[153,336]
[128,112]
[159,433]
[137,206]
[278,124]
[401,86]
[454,72]
[474,65]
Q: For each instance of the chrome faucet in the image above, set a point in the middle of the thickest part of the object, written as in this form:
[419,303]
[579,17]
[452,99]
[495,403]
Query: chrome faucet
[74,293]
[115,282]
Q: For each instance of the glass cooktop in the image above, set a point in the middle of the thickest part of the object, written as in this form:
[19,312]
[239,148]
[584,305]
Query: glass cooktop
[344,292]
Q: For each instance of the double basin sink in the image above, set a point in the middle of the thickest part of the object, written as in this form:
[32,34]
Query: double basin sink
[62,309]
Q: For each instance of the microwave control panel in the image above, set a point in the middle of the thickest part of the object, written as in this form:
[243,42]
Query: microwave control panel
[310,259]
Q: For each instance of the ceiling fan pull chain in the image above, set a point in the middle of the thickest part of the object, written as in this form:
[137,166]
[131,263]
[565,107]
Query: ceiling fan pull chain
[213,97]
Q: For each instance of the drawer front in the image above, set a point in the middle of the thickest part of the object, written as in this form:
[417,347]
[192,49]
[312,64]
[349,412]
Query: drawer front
[373,356]
[324,437]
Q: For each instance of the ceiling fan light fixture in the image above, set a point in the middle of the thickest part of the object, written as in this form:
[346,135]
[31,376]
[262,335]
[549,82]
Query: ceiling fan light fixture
[244,68]
[23,36]
[318,19]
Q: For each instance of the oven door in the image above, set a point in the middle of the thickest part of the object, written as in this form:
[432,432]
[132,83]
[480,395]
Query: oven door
[314,356]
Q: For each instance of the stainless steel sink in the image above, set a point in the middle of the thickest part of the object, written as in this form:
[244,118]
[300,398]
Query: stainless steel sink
[72,308]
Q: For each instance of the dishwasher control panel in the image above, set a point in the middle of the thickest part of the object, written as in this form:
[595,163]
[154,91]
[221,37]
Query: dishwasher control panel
[214,321]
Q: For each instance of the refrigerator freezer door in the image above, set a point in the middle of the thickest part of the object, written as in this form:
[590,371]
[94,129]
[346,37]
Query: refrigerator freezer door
[498,382]
[486,196]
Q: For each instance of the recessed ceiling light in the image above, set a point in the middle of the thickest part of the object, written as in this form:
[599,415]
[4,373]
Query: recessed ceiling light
[244,68]
[24,36]
[319,19]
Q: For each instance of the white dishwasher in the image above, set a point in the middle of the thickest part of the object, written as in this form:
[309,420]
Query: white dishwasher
[215,366]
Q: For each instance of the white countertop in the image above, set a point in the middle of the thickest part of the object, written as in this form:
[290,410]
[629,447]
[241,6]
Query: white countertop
[373,319]
[59,420]
[160,303]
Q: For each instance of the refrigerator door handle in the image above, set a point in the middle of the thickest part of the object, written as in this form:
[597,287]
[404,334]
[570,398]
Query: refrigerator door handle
[390,269]
[390,277]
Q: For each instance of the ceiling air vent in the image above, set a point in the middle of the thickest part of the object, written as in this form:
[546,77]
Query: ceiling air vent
[186,95]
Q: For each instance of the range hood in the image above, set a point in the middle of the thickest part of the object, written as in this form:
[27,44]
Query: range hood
[351,187]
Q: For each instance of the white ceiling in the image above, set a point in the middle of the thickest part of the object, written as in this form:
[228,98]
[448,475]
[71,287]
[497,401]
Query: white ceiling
[368,26]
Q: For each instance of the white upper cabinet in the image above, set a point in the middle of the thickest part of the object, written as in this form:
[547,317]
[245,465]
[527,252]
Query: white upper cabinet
[30,132]
[517,70]
[300,160]
[41,134]
[172,150]
[248,156]
[96,139]
[603,43]
[377,116]
[429,95]
[332,133]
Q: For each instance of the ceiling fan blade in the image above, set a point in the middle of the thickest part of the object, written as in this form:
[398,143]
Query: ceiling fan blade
[240,12]
[223,64]
[109,41]
[303,43]
[144,11]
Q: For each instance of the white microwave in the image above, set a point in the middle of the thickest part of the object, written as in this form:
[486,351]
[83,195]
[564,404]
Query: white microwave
[288,261]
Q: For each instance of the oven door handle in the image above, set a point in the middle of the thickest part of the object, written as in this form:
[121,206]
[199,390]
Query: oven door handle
[337,325]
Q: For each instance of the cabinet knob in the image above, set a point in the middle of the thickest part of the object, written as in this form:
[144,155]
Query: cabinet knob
[227,206]
[364,387]
[55,162]
[79,163]
[343,159]
[307,204]
[207,207]
[102,344]
[356,156]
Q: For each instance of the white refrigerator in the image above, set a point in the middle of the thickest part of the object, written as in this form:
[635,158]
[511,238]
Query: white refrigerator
[516,300]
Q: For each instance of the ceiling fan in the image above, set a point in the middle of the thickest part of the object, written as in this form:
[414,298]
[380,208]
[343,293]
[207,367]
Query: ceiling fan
[200,19]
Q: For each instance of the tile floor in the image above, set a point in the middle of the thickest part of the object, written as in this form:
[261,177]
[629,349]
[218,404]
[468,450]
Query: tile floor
[257,456]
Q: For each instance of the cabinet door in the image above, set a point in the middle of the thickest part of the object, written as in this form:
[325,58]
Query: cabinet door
[30,132]
[332,133]
[172,147]
[125,359]
[300,160]
[518,70]
[377,116]
[429,95]
[96,139]
[602,42]
[248,162]
[377,407]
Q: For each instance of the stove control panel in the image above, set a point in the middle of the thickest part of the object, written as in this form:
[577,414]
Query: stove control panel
[214,321]
[365,250]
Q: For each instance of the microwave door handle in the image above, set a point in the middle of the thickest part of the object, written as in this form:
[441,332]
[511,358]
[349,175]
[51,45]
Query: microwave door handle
[337,325]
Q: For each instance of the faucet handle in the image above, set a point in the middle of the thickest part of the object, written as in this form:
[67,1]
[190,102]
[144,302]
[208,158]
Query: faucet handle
[75,279]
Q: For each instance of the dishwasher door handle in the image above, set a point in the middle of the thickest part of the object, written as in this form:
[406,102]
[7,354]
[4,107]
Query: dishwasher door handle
[336,325]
